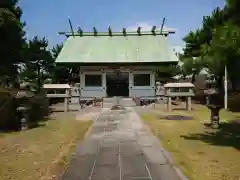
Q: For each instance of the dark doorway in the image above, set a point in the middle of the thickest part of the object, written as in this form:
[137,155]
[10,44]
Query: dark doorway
[118,84]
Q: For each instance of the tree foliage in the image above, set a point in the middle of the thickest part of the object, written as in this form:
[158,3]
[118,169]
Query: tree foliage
[23,60]
[168,71]
[12,41]
[60,73]
[215,44]
[223,50]
[38,60]
[191,66]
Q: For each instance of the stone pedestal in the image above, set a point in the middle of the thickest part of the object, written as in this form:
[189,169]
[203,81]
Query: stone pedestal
[169,104]
[188,103]
[214,116]
[23,117]
[66,100]
[66,104]
[215,103]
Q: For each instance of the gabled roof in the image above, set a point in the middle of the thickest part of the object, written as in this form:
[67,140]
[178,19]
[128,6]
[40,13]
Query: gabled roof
[117,48]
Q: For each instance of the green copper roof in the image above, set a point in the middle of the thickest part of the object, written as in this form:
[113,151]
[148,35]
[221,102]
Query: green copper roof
[132,48]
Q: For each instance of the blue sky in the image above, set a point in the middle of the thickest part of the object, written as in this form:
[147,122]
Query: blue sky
[48,17]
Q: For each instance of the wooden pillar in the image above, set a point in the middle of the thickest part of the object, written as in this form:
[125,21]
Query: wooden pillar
[82,82]
[188,103]
[65,104]
[104,83]
[169,103]
[154,105]
[207,100]
[66,100]
[130,79]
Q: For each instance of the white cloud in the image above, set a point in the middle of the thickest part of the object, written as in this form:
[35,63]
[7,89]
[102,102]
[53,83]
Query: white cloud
[145,26]
[178,49]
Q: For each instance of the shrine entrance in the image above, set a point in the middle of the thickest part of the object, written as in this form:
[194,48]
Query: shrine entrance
[117,84]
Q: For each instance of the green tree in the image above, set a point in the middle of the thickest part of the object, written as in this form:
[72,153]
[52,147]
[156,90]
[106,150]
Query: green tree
[12,40]
[38,60]
[63,73]
[192,44]
[60,73]
[168,71]
[216,43]
[194,40]
[223,50]
[232,11]
[191,66]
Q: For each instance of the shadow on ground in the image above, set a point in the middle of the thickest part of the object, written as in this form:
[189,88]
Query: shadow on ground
[179,109]
[51,110]
[227,135]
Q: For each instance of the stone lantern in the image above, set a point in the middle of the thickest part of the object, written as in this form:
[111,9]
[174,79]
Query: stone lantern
[214,104]
[23,108]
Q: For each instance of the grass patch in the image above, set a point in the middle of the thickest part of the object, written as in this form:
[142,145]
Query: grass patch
[202,153]
[40,153]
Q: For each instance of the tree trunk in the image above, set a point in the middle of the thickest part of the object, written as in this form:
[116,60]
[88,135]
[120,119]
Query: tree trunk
[234,84]
[219,82]
[193,77]
[38,78]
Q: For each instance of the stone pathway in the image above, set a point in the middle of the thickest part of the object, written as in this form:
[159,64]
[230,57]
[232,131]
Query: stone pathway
[120,147]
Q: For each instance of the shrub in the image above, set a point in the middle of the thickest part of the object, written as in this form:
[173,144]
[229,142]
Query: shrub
[200,97]
[37,109]
[55,100]
[8,118]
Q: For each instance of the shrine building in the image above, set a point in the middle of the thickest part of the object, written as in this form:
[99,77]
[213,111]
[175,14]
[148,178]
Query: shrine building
[117,63]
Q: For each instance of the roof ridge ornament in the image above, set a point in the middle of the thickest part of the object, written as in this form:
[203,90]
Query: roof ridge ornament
[80,31]
[139,31]
[95,31]
[109,31]
[124,32]
[153,30]
[162,27]
[71,27]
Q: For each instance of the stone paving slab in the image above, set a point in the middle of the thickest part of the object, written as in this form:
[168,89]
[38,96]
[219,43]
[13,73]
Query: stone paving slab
[90,146]
[106,158]
[133,166]
[106,173]
[145,140]
[130,148]
[120,147]
[153,156]
[162,172]
[79,168]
